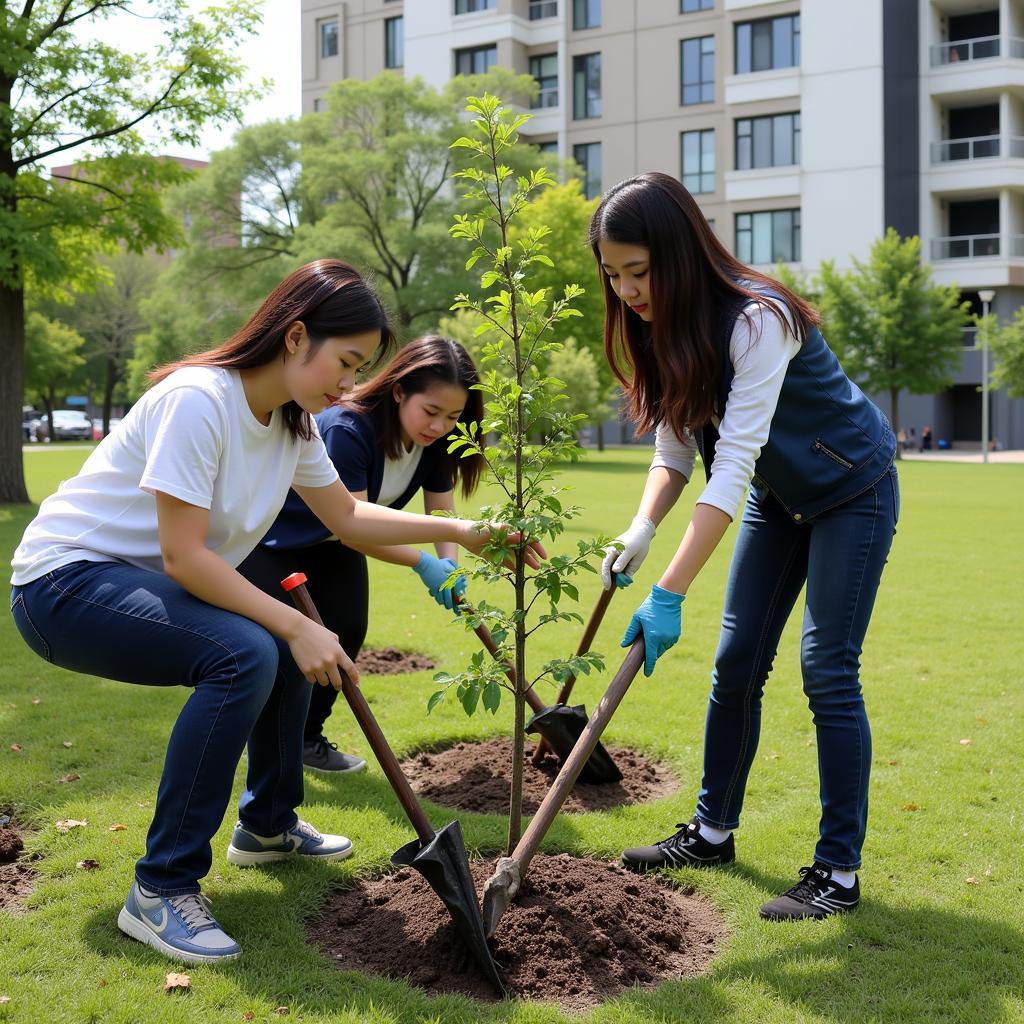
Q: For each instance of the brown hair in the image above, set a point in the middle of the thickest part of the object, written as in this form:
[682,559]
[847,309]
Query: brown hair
[670,368]
[329,297]
[425,361]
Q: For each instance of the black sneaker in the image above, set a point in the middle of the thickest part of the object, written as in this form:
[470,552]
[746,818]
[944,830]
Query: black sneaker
[686,847]
[323,756]
[817,894]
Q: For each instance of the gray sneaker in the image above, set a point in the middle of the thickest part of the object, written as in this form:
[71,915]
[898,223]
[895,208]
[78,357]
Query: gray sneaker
[302,840]
[323,756]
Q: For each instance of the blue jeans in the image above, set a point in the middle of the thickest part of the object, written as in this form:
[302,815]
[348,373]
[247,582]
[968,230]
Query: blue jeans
[115,620]
[840,556]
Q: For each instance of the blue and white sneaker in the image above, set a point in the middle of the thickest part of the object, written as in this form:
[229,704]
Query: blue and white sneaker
[246,848]
[180,927]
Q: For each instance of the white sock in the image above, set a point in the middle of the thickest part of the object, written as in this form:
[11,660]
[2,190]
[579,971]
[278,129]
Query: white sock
[714,835]
[844,878]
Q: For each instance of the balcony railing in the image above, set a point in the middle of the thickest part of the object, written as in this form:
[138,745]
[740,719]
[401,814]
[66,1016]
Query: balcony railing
[547,97]
[965,247]
[978,147]
[966,50]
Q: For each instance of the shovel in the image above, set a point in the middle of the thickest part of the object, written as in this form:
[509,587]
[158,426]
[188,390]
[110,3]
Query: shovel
[439,856]
[565,692]
[502,886]
[559,725]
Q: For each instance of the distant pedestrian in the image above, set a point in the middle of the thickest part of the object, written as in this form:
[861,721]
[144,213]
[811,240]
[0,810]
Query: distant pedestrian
[926,439]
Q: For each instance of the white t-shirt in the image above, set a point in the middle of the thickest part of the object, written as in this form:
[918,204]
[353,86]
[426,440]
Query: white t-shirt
[760,360]
[397,475]
[192,436]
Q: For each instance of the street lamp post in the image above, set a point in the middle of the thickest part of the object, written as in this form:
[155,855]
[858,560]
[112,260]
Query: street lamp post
[986,296]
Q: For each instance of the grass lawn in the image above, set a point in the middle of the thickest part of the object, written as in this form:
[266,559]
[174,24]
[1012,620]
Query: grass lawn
[939,936]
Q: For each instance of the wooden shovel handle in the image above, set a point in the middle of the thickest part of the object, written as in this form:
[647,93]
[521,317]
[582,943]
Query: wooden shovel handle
[484,634]
[566,778]
[371,730]
[593,625]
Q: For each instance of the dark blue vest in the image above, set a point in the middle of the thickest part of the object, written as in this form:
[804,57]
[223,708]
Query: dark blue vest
[828,441]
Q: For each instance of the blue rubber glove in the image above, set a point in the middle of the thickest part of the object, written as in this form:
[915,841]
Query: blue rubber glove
[661,619]
[434,571]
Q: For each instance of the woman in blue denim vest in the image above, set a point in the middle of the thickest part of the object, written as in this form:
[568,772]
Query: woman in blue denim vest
[388,440]
[717,358]
[129,572]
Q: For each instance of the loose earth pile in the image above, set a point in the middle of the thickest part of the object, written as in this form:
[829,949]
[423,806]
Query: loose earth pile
[389,661]
[579,932]
[16,879]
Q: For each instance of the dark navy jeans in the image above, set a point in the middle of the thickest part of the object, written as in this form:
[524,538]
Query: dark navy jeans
[115,620]
[840,556]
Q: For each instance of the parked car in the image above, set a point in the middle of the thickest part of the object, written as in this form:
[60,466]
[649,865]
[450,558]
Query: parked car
[68,425]
[97,427]
[29,422]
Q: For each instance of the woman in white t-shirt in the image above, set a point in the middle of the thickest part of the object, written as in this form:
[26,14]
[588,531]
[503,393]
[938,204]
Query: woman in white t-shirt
[129,572]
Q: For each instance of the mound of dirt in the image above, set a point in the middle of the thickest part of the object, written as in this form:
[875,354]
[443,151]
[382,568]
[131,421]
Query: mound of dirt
[16,879]
[477,776]
[389,661]
[579,932]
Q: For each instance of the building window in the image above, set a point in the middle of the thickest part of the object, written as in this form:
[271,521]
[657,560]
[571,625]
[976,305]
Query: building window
[545,69]
[767,141]
[477,60]
[588,156]
[394,42]
[770,237]
[586,86]
[698,160]
[319,104]
[766,44]
[472,6]
[697,70]
[586,14]
[329,38]
[551,146]
[689,6]
[543,9]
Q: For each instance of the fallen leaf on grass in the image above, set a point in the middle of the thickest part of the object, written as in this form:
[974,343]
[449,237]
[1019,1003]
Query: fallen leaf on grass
[65,825]
[248,1015]
[174,980]
[892,764]
[972,880]
[68,743]
[17,748]
[72,777]
[988,871]
[911,807]
[281,1010]
[118,827]
[88,864]
[103,982]
[36,700]
[4,999]
[965,743]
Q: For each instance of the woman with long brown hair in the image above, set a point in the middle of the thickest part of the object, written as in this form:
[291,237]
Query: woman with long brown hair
[388,440]
[716,357]
[128,572]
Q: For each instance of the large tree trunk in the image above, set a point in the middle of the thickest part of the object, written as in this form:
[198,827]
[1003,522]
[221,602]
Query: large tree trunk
[894,406]
[12,394]
[600,435]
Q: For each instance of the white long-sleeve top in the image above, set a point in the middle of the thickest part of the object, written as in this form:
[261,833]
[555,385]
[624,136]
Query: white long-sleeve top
[760,358]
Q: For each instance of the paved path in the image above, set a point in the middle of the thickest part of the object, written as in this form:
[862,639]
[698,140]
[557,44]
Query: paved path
[1016,456]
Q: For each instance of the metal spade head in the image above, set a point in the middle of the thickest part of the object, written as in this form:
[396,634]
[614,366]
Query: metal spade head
[499,891]
[444,864]
[561,726]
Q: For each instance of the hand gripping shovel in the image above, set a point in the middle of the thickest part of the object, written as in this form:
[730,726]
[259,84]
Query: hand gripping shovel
[439,856]
[502,886]
[559,725]
[537,722]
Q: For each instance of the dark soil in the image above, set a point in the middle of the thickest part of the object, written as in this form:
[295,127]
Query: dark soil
[16,879]
[579,932]
[389,661]
[477,776]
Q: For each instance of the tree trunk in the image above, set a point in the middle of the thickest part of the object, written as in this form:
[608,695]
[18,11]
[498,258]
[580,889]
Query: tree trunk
[600,435]
[109,383]
[12,392]
[894,406]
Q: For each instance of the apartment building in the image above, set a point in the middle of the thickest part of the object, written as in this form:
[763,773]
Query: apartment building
[803,127]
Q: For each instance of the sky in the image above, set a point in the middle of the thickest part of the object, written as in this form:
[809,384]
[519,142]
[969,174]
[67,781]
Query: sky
[274,53]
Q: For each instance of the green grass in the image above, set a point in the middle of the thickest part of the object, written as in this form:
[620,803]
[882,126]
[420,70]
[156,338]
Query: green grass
[942,665]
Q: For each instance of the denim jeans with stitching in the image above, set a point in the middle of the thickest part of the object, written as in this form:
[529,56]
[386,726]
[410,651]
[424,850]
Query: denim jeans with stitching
[114,620]
[840,556]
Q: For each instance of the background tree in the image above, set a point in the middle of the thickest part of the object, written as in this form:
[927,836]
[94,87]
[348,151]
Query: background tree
[890,325]
[63,93]
[52,361]
[1006,343]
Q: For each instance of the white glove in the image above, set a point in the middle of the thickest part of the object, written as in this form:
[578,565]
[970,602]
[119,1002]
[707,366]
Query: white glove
[636,542]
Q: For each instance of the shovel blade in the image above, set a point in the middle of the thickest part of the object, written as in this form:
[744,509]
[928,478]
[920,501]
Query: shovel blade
[499,890]
[562,726]
[444,864]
